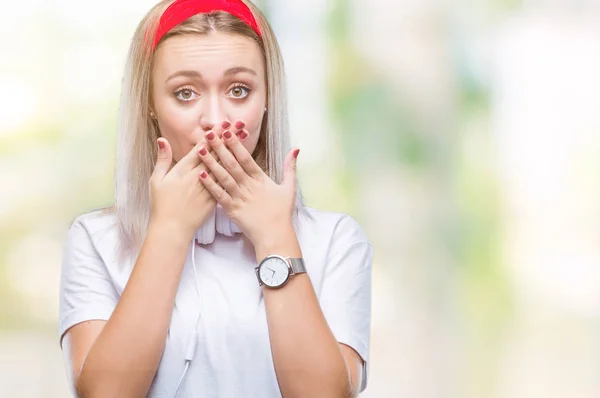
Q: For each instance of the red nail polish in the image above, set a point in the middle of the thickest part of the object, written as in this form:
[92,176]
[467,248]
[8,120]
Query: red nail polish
[243,135]
[240,125]
[227,134]
[296,152]
[225,125]
[203,174]
[203,151]
[161,144]
[210,136]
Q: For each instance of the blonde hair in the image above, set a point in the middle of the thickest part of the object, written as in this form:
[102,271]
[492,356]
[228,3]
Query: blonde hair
[137,133]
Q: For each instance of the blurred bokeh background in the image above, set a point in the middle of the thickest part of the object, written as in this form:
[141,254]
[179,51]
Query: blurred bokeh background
[463,135]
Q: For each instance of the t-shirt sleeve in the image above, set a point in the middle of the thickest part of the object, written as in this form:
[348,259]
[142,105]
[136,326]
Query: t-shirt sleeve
[346,293]
[86,289]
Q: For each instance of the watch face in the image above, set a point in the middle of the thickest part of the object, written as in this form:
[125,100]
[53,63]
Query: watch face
[274,272]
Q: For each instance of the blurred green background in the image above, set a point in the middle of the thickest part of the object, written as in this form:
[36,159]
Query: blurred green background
[463,136]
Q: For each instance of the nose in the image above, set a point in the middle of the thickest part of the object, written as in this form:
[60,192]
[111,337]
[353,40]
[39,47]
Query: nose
[212,115]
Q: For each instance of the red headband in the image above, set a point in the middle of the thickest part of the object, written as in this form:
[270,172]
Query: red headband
[180,10]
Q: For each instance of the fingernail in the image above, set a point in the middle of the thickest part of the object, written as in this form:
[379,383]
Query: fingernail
[240,125]
[225,125]
[161,145]
[203,174]
[210,136]
[227,134]
[243,135]
[296,152]
[202,151]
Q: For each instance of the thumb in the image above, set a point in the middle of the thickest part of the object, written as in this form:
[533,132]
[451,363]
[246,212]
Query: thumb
[289,168]
[164,158]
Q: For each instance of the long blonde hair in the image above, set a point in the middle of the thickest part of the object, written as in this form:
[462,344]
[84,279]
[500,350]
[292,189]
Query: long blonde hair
[137,132]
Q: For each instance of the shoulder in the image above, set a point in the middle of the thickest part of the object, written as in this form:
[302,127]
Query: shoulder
[336,250]
[93,243]
[95,232]
[95,223]
[339,229]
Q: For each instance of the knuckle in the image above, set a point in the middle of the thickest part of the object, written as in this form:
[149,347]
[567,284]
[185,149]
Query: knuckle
[245,159]
[221,194]
[227,180]
[229,164]
[245,195]
[260,179]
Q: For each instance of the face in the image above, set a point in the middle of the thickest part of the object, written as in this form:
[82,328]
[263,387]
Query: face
[200,81]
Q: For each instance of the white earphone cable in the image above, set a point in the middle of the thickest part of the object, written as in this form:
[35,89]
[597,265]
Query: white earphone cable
[193,339]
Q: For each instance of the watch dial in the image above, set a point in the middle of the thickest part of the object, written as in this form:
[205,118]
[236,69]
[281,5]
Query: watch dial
[274,272]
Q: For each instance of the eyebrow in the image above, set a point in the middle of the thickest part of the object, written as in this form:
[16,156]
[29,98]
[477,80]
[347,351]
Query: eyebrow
[239,69]
[192,74]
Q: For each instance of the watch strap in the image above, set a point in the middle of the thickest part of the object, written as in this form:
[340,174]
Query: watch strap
[297,265]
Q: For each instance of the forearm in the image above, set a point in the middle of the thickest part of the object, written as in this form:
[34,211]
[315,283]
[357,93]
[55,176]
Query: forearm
[307,357]
[123,360]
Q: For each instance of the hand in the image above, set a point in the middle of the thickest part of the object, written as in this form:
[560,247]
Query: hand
[177,196]
[261,208]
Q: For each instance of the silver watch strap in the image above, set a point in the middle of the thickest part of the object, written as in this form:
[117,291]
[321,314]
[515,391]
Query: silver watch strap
[297,265]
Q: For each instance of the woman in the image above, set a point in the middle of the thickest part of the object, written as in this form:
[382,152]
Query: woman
[209,278]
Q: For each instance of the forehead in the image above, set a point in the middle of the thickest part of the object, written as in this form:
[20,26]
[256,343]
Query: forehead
[208,54]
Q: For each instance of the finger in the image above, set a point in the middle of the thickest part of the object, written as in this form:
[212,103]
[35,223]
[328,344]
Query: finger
[221,174]
[190,160]
[225,125]
[216,191]
[163,159]
[239,130]
[198,169]
[210,150]
[239,125]
[217,129]
[235,130]
[243,157]
[228,160]
[289,169]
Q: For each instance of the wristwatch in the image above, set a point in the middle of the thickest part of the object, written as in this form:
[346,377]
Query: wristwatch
[275,271]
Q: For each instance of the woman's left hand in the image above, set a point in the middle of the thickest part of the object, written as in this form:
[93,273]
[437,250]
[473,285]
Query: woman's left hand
[260,207]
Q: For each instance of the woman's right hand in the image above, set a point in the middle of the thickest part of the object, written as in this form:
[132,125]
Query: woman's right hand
[177,196]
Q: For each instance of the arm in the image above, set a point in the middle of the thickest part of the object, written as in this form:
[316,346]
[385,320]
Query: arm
[119,357]
[123,353]
[308,360]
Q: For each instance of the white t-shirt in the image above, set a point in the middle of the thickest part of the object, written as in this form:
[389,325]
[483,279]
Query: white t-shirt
[233,354]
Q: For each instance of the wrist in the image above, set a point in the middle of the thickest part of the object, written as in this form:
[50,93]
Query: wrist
[170,230]
[281,241]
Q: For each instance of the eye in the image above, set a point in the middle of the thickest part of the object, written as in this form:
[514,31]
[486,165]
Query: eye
[239,91]
[185,94]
